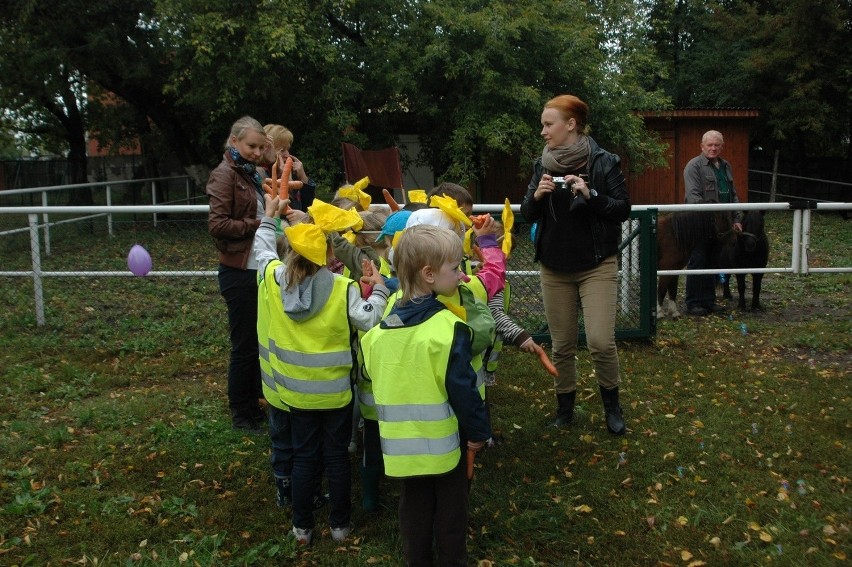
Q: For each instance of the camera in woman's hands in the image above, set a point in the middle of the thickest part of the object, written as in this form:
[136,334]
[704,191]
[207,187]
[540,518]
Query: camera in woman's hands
[558,183]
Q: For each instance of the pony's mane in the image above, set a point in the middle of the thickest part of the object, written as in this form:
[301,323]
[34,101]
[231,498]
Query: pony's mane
[689,227]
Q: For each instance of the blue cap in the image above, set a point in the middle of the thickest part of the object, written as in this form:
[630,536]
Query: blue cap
[394,223]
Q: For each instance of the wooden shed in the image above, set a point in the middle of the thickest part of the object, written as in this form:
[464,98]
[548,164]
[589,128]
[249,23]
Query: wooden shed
[682,129]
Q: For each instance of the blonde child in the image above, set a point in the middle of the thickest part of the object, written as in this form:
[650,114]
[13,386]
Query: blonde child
[280,140]
[419,362]
[312,318]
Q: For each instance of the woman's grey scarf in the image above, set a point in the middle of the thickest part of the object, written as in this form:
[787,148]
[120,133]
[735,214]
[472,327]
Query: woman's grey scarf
[563,159]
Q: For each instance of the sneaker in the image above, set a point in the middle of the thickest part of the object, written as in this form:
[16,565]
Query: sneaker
[320,501]
[284,492]
[340,534]
[303,536]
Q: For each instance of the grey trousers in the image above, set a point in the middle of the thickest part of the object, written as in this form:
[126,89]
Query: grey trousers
[596,292]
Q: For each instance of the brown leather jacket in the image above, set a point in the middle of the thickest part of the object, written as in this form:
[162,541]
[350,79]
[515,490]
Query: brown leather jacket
[233,213]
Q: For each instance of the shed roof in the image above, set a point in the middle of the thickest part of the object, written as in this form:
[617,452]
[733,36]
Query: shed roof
[732,112]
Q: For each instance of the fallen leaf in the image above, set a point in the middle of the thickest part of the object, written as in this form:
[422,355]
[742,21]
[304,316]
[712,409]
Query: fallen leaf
[715,542]
[583,509]
[685,555]
[682,520]
[765,536]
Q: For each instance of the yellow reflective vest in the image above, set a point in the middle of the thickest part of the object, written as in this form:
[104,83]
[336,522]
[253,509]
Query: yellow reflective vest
[310,362]
[407,365]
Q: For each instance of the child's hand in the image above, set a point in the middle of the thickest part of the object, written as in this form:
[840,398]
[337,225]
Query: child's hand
[371,275]
[487,227]
[272,205]
[295,216]
[529,346]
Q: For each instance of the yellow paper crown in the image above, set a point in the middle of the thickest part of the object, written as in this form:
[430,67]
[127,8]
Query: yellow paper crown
[334,219]
[508,219]
[467,246]
[308,240]
[417,196]
[356,193]
[450,207]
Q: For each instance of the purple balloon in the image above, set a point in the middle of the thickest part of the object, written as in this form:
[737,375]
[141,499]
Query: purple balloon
[139,261]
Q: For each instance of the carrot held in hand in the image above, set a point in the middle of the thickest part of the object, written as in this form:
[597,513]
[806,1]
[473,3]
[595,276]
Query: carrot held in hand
[479,220]
[545,361]
[471,456]
[394,206]
[284,190]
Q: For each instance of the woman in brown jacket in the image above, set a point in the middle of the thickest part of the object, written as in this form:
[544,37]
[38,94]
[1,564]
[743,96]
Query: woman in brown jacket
[235,193]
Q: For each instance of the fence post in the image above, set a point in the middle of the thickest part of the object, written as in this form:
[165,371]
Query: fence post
[109,215]
[806,240]
[35,254]
[154,199]
[796,264]
[46,219]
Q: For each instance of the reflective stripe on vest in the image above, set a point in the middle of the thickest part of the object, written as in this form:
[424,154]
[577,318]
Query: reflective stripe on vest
[270,391]
[310,361]
[407,366]
[476,360]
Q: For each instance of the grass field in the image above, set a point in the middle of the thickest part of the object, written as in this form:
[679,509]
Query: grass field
[117,447]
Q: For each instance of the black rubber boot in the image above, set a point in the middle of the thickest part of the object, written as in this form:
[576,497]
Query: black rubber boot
[614,417]
[564,409]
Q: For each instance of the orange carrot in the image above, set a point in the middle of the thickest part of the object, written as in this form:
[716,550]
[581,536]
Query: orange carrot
[284,189]
[267,188]
[394,206]
[471,455]
[545,361]
[479,220]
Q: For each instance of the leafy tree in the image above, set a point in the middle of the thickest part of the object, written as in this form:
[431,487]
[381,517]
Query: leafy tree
[790,59]
[470,77]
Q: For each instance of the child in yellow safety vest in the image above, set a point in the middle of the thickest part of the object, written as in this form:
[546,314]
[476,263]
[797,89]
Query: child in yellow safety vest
[310,323]
[429,409]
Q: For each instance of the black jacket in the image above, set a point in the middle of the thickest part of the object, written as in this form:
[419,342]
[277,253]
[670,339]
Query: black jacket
[573,241]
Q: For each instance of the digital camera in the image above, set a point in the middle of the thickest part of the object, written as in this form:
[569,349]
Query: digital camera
[559,183]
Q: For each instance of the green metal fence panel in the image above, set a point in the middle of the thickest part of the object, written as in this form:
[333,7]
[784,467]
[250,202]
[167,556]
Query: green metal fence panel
[636,314]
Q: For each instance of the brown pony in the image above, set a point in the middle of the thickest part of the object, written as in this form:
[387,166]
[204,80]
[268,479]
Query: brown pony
[677,236]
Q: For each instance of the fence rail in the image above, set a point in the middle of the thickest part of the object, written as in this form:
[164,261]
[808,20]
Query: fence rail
[522,269]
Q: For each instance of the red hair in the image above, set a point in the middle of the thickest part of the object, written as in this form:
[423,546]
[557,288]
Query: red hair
[569,106]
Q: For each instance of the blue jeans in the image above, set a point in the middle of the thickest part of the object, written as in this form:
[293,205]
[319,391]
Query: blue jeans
[239,289]
[322,435]
[700,289]
[281,457]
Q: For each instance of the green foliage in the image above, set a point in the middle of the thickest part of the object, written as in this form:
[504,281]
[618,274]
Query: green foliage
[789,59]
